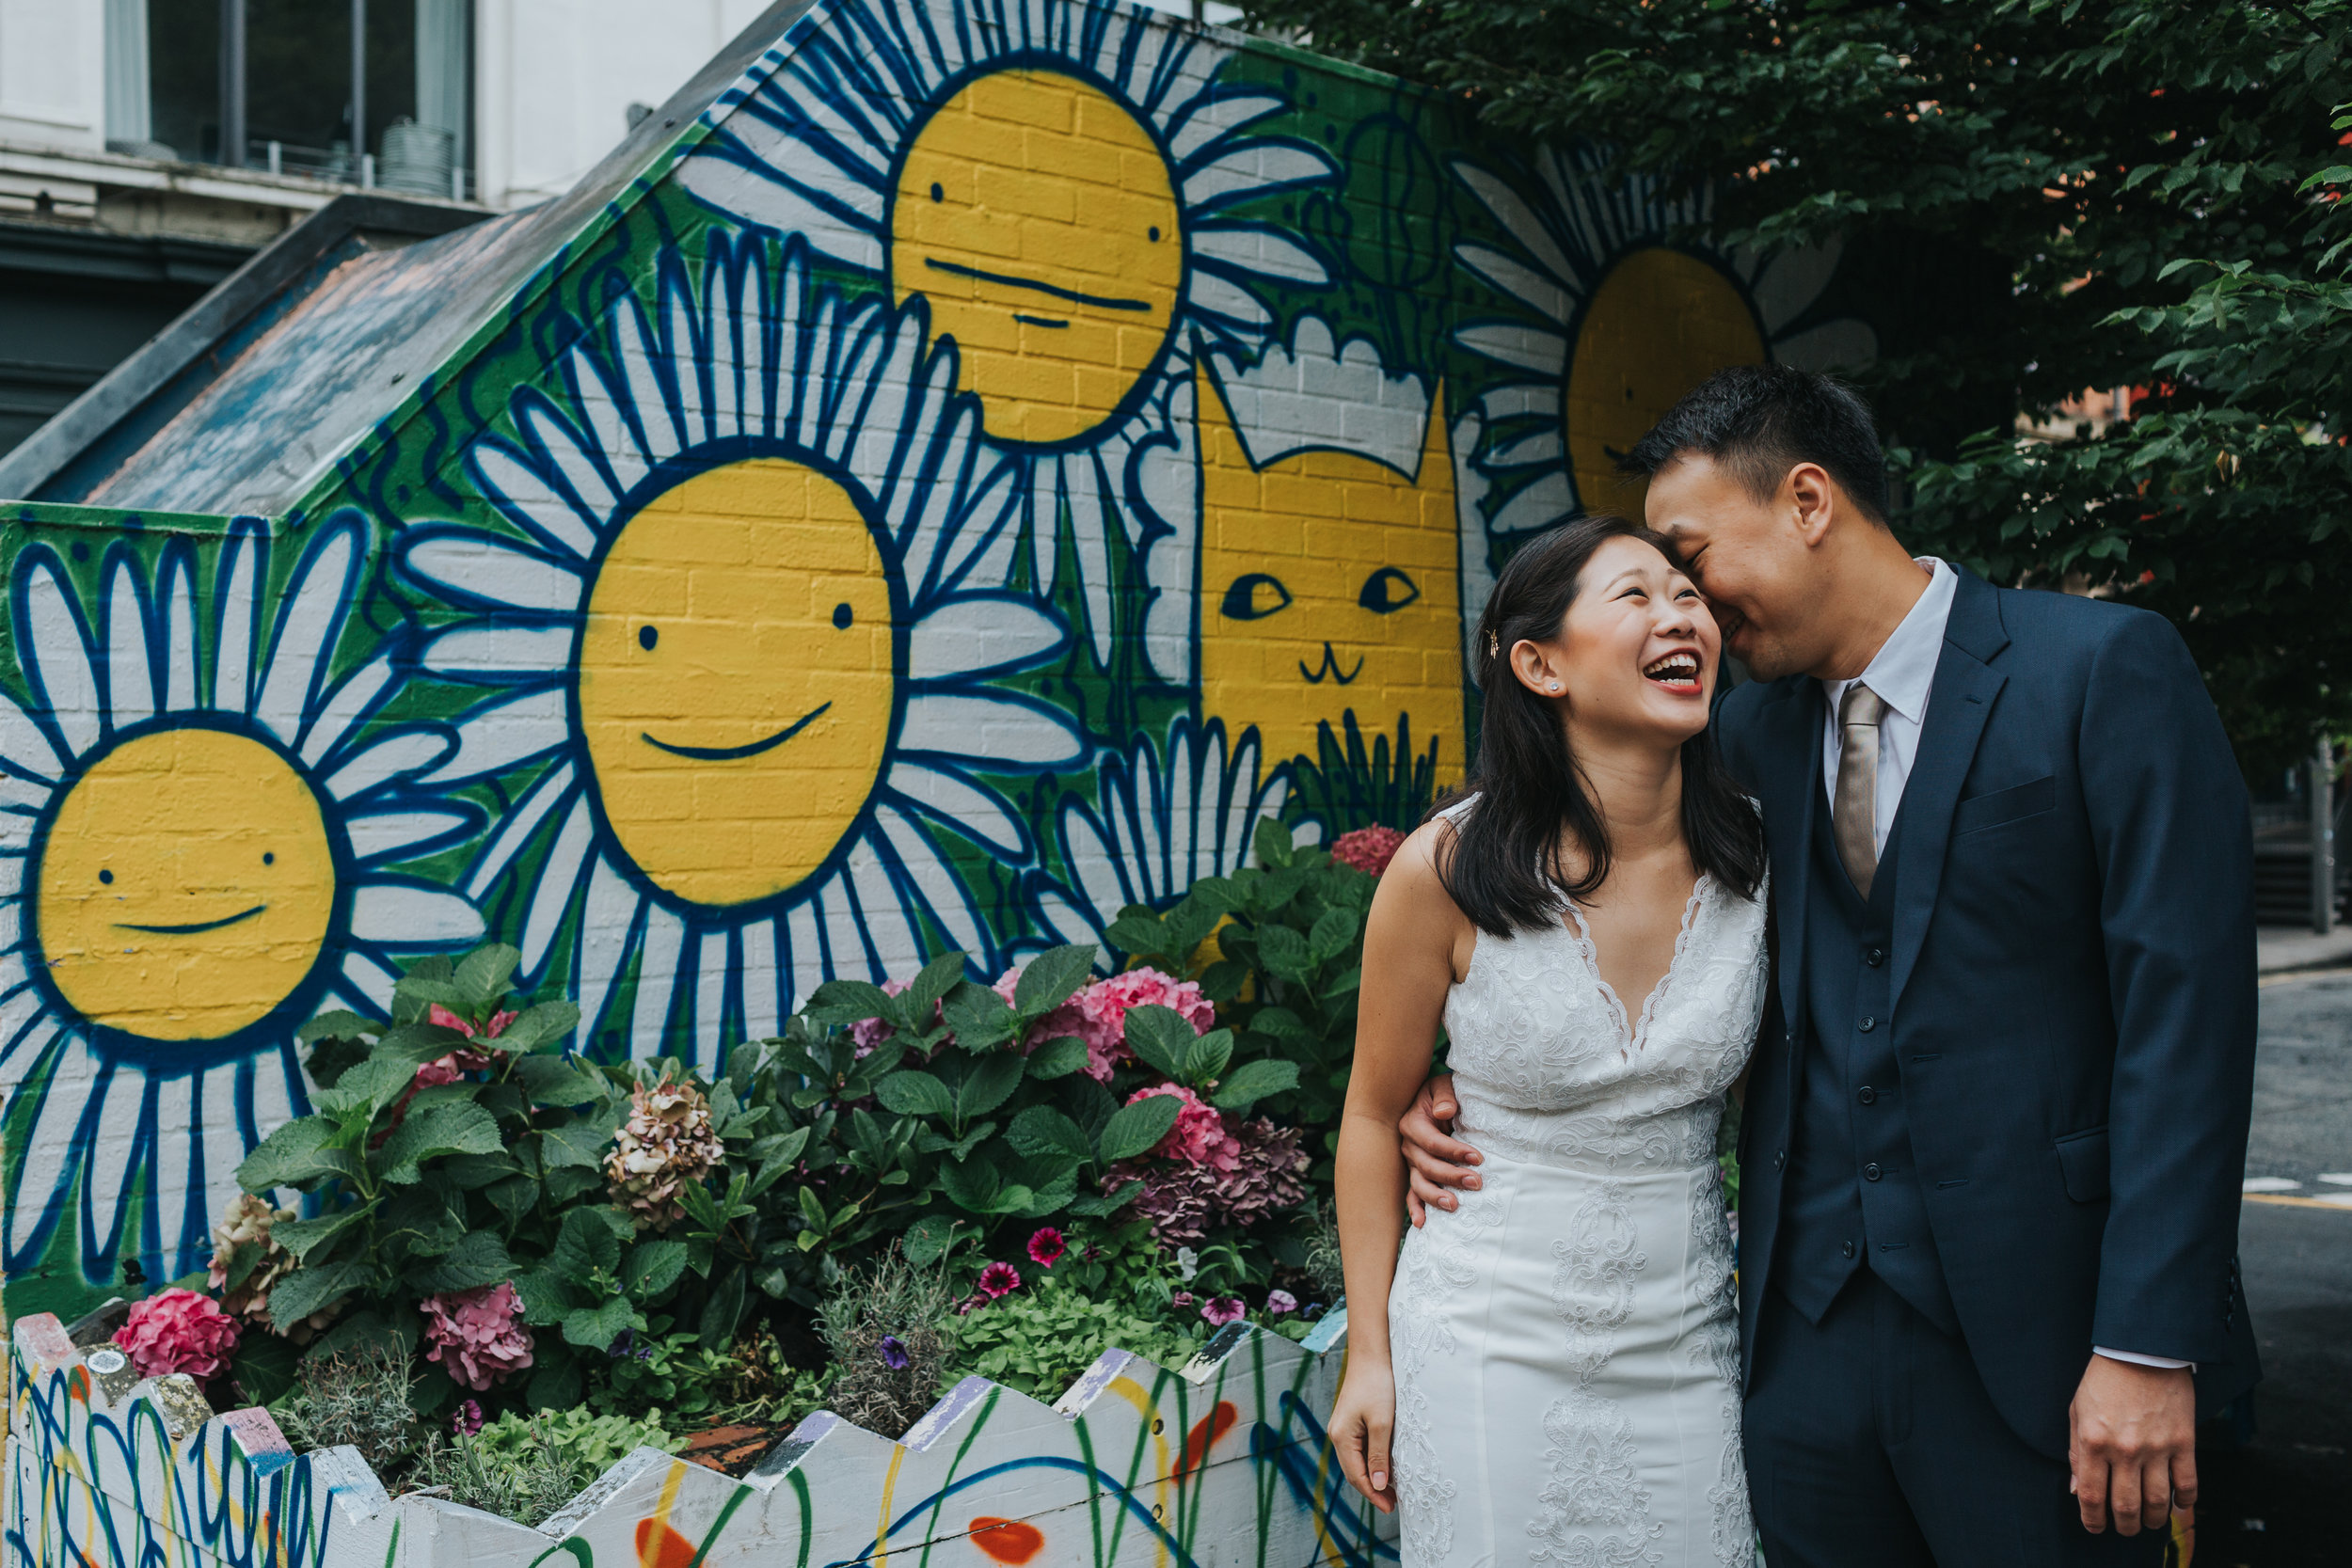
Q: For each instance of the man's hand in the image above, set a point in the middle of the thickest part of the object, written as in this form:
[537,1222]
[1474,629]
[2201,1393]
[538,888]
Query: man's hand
[2134,1446]
[1435,1163]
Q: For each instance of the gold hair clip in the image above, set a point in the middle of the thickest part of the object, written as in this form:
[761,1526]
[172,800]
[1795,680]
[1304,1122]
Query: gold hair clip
[1494,647]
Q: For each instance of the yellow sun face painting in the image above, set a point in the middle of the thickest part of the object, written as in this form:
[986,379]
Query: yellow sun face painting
[1330,584]
[1042,221]
[736,658]
[156,922]
[1609,317]
[1077,199]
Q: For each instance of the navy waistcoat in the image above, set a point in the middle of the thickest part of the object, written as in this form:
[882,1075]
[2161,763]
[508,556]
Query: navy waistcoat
[1853,1198]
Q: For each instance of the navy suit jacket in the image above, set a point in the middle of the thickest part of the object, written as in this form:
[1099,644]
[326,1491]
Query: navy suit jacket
[2073,984]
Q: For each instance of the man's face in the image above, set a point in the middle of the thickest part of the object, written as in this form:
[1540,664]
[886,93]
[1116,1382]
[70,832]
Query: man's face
[1750,561]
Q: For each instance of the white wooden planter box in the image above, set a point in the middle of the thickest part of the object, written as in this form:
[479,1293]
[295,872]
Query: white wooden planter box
[1222,1465]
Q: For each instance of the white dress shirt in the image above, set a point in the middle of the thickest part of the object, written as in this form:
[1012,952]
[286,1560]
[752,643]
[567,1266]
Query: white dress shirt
[1902,673]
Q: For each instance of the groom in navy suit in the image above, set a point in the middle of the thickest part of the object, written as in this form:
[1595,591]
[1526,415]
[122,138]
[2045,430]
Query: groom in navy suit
[1994,1128]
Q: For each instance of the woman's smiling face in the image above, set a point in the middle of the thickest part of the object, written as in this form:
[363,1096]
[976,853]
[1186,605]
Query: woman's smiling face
[1635,658]
[1039,219]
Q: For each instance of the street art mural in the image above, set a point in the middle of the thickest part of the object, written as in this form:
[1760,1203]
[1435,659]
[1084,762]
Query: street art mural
[993,454]
[1221,1464]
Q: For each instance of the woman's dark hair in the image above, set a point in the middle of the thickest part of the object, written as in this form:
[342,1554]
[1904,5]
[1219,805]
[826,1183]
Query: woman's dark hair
[1500,870]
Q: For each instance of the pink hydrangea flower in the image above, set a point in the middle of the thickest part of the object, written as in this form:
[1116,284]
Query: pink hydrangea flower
[1368,850]
[1046,1246]
[178,1331]
[477,1335]
[1220,1310]
[870,1032]
[1097,1013]
[467,1420]
[1281,1304]
[999,1280]
[1199,1137]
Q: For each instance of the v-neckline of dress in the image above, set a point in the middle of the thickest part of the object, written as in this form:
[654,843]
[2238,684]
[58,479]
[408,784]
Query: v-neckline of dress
[1632,1032]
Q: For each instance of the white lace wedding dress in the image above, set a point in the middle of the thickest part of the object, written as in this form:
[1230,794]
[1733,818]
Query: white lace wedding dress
[1565,1343]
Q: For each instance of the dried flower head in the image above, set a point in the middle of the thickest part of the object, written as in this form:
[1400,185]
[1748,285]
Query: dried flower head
[666,1142]
[247,1225]
[477,1335]
[178,1331]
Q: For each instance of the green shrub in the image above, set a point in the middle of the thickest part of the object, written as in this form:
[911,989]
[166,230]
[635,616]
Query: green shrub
[358,1394]
[1038,1340]
[526,1468]
[892,1330]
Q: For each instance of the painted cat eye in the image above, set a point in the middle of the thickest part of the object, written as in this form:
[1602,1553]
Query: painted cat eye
[1388,590]
[1254,596]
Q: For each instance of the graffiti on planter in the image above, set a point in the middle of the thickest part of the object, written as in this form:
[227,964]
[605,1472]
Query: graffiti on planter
[991,457]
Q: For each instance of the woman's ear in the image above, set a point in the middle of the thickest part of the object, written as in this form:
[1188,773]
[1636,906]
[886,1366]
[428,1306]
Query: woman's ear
[1531,663]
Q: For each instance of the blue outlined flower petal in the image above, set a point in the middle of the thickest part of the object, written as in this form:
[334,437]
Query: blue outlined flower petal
[975,635]
[558,878]
[50,1151]
[57,655]
[350,702]
[942,893]
[980,814]
[471,567]
[180,630]
[518,488]
[25,749]
[499,734]
[517,825]
[507,653]
[130,669]
[397,755]
[1256,248]
[1521,347]
[414,915]
[1008,732]
[306,628]
[405,832]
[608,930]
[237,603]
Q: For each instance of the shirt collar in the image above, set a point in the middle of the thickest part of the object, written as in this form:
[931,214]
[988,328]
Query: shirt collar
[1904,668]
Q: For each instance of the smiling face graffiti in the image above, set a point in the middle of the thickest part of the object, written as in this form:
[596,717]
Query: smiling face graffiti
[1040,218]
[737,665]
[1329,582]
[185,885]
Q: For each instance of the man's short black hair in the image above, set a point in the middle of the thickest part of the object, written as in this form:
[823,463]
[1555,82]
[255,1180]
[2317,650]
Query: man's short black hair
[1760,420]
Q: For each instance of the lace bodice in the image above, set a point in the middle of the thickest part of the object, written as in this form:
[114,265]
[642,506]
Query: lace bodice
[1549,1068]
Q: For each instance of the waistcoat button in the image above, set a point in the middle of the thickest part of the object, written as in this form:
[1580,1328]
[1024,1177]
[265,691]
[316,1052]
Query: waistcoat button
[1874,957]
[1868,1023]
[1867,1094]
[1847,1248]
[1872,1172]
[1780,1158]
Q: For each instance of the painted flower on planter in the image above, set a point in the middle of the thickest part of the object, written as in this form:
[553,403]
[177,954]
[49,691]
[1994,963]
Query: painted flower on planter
[1129,228]
[1609,324]
[178,1331]
[477,1336]
[666,1144]
[748,599]
[199,820]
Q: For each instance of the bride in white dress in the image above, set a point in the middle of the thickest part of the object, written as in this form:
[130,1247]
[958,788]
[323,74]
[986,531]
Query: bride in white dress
[1549,1373]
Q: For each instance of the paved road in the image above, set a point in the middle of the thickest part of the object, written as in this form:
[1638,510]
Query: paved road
[2275,1501]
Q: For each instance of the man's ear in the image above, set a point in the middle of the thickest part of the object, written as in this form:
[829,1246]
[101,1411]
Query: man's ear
[1811,497]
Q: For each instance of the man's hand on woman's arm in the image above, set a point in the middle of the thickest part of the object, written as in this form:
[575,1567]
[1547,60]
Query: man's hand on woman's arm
[1436,1163]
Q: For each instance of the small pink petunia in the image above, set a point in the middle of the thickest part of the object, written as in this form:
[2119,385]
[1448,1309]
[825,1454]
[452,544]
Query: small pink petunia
[1180,1298]
[1281,1303]
[1046,1246]
[999,1280]
[1220,1310]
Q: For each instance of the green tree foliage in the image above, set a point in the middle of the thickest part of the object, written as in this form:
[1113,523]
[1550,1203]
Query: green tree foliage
[2036,196]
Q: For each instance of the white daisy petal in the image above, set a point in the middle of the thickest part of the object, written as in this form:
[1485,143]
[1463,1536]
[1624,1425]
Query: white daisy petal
[1205,291]
[179,598]
[24,747]
[999,728]
[1521,398]
[974,634]
[306,632]
[1525,226]
[1510,343]
[1541,504]
[782,204]
[180,1169]
[808,926]
[413,915]
[121,1128]
[1546,296]
[524,493]
[1259,250]
[558,878]
[213,1162]
[270,1096]
[1257,168]
[130,673]
[351,701]
[517,825]
[1099,867]
[920,863]
[979,814]
[575,468]
[763,975]
[239,601]
[369,983]
[476,566]
[49,1142]
[57,658]
[885,928]
[608,925]
[658,422]
[1064,921]
[402,751]
[1545,445]
[505,734]
[401,834]
[498,653]
[1206,118]
[657,980]
[710,998]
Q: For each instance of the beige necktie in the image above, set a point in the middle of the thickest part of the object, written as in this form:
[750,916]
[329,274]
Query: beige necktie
[1854,809]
